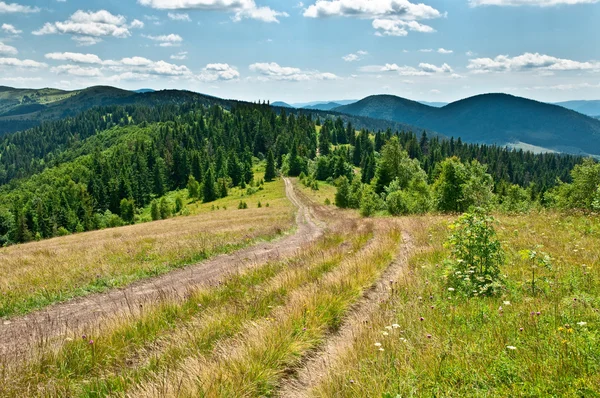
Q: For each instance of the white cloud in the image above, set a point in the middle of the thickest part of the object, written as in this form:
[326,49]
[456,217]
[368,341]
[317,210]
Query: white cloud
[20,79]
[538,3]
[273,71]
[91,24]
[22,63]
[565,87]
[214,72]
[390,17]
[171,40]
[529,61]
[84,41]
[179,16]
[425,50]
[77,70]
[7,50]
[13,8]
[357,56]
[422,70]
[180,56]
[241,9]
[10,29]
[393,27]
[470,53]
[434,91]
[75,57]
[444,51]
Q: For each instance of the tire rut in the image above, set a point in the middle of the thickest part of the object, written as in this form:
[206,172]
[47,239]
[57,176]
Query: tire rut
[20,335]
[320,362]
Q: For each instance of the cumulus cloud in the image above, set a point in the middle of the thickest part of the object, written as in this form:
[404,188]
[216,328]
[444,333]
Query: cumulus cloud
[444,51]
[91,25]
[529,61]
[14,8]
[171,40]
[6,49]
[77,70]
[215,72]
[179,16]
[10,29]
[22,63]
[180,55]
[423,69]
[357,56]
[390,17]
[75,57]
[538,3]
[241,9]
[126,68]
[273,71]
[394,27]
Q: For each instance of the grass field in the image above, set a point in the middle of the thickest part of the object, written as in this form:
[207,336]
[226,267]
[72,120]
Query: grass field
[239,338]
[37,274]
[425,341]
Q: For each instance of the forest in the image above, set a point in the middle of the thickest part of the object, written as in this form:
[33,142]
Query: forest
[100,168]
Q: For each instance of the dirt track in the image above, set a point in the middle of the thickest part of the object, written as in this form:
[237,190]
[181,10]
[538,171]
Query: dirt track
[19,335]
[319,363]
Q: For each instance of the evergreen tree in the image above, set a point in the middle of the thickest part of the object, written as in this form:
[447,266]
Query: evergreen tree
[193,188]
[270,172]
[209,192]
[128,211]
[155,211]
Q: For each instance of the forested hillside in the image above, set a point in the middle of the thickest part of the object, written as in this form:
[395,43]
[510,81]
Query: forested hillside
[94,170]
[492,119]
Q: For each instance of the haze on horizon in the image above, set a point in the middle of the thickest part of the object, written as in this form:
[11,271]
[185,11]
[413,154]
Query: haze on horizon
[433,50]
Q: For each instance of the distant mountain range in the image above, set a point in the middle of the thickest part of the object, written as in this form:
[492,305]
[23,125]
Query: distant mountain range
[21,109]
[490,118]
[590,108]
[493,119]
[316,105]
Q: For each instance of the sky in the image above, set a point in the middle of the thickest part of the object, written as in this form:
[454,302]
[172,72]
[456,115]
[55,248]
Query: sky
[316,50]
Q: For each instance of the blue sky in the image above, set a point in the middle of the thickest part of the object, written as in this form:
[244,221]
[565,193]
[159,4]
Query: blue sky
[434,50]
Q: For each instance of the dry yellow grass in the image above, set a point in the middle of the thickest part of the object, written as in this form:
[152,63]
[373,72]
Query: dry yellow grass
[37,274]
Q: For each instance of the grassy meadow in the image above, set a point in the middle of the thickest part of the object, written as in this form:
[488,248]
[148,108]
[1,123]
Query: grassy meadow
[237,339]
[37,274]
[542,341]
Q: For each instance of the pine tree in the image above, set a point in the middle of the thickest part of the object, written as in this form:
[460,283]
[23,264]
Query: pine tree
[128,210]
[270,169]
[155,211]
[193,188]
[209,192]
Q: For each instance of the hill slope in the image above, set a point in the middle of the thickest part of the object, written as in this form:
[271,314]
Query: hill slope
[590,108]
[493,119]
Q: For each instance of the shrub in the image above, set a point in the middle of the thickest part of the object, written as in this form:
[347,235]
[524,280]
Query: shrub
[397,204]
[369,202]
[473,268]
[343,193]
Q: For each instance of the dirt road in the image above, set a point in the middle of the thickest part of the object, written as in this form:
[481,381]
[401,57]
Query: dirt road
[19,335]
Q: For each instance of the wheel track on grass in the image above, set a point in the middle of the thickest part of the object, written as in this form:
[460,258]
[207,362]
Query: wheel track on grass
[22,334]
[317,365]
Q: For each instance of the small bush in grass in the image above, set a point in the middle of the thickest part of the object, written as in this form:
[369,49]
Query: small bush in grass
[259,204]
[473,268]
[242,205]
[327,202]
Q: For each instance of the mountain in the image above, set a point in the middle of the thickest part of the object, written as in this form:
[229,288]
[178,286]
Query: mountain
[307,104]
[144,90]
[590,108]
[281,104]
[21,109]
[493,119]
[323,107]
[434,104]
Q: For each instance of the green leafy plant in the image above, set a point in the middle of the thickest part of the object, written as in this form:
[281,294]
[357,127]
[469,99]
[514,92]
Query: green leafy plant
[476,255]
[537,259]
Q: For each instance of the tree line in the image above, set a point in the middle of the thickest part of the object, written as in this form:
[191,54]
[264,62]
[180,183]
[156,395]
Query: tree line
[96,169]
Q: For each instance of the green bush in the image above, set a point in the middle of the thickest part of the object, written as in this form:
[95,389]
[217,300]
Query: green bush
[473,268]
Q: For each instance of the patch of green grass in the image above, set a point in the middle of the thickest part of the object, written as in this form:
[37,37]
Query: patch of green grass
[519,343]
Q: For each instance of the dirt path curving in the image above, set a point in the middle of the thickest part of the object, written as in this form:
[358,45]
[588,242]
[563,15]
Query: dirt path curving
[20,335]
[317,366]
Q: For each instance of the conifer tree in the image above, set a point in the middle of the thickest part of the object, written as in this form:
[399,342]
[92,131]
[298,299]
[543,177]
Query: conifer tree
[270,169]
